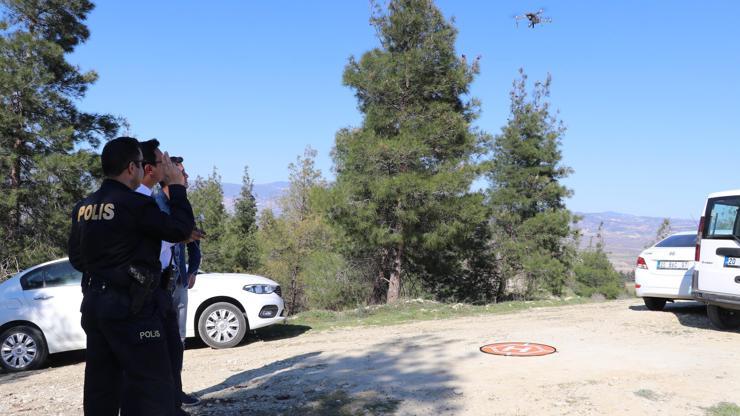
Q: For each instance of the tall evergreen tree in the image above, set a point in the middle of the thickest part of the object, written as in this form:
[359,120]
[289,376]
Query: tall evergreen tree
[239,249]
[404,175]
[43,136]
[207,198]
[532,232]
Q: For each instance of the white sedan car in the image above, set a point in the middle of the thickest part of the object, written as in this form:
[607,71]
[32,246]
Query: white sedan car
[40,311]
[664,270]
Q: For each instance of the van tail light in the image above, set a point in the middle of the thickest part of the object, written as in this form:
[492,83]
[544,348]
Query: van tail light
[697,253]
[641,263]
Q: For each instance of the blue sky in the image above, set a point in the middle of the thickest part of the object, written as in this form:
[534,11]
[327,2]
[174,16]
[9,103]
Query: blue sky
[649,91]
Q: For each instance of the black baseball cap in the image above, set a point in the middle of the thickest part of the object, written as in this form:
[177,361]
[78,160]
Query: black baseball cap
[176,159]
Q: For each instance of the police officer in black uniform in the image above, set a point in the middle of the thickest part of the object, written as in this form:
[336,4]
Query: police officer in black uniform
[115,242]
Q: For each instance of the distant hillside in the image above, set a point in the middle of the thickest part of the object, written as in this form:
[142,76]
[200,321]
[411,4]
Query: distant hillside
[624,235]
[267,195]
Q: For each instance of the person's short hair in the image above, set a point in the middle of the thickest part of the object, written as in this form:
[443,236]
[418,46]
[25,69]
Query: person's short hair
[118,153]
[149,150]
[176,159]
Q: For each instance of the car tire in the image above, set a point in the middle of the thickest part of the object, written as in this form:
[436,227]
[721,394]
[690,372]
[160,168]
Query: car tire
[22,348]
[723,318]
[654,304]
[222,325]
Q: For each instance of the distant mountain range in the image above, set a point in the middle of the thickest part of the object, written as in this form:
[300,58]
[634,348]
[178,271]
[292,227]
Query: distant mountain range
[267,195]
[624,235]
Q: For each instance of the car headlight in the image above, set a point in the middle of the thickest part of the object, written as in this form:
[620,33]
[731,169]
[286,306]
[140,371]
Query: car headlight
[260,289]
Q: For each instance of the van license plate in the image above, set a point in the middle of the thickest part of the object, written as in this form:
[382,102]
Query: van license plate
[673,265]
[732,262]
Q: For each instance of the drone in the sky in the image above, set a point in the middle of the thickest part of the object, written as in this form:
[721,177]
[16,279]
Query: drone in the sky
[535,18]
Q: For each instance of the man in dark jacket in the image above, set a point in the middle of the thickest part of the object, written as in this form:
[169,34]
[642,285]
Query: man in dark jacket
[115,242]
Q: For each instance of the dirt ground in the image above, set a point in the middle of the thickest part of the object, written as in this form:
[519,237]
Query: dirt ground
[613,358]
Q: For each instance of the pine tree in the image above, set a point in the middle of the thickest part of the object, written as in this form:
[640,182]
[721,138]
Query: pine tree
[206,197]
[531,227]
[292,243]
[43,136]
[664,230]
[404,175]
[239,248]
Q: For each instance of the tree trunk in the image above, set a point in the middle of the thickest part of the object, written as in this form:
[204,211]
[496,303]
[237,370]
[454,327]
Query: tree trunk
[293,291]
[378,293]
[394,285]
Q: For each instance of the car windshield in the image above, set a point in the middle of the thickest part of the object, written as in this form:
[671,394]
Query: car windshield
[684,240]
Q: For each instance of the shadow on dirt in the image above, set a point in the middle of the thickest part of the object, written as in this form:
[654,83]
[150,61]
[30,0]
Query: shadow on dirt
[267,334]
[369,380]
[691,314]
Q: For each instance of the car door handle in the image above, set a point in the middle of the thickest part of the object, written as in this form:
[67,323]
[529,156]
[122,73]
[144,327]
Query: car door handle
[728,251]
[43,297]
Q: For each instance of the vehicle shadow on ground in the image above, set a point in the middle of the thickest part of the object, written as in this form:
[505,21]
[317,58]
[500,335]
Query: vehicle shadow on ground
[691,314]
[60,359]
[267,334]
[369,380]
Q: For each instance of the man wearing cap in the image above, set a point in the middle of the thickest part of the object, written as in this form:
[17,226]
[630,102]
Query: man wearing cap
[185,272]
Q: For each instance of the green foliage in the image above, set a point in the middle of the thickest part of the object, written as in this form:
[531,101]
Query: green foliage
[531,228]
[595,274]
[239,247]
[403,177]
[206,197]
[299,248]
[43,136]
[724,409]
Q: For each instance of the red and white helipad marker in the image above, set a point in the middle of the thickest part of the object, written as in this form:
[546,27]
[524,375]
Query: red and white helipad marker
[518,349]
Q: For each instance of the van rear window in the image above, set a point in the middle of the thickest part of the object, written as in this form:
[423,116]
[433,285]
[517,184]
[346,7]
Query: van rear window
[684,240]
[722,215]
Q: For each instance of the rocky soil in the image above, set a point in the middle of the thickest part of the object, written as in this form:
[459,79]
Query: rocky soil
[613,358]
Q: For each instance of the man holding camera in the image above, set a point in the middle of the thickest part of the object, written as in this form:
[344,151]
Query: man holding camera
[115,241]
[153,175]
[186,261]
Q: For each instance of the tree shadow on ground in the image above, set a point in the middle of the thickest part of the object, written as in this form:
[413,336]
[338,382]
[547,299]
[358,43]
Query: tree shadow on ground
[370,380]
[688,313]
[267,334]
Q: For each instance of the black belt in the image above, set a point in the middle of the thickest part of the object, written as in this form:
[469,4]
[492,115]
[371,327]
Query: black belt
[101,281]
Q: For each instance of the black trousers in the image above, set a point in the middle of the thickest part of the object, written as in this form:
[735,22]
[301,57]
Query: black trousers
[128,363]
[174,350]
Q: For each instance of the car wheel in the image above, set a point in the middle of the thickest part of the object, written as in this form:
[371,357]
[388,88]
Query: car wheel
[654,304]
[23,348]
[723,318]
[222,325]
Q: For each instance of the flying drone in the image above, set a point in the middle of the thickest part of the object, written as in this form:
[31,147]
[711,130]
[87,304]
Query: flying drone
[534,18]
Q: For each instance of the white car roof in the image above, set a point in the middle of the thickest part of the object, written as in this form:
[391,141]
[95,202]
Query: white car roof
[44,264]
[683,233]
[733,192]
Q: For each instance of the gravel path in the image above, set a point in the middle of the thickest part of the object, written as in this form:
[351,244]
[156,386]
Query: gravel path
[613,358]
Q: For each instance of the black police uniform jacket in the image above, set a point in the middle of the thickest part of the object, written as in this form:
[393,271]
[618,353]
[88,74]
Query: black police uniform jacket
[116,227]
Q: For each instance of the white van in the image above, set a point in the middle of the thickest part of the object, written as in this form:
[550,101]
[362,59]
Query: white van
[716,278]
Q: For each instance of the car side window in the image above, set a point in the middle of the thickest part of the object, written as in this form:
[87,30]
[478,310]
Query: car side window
[57,274]
[33,280]
[61,274]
